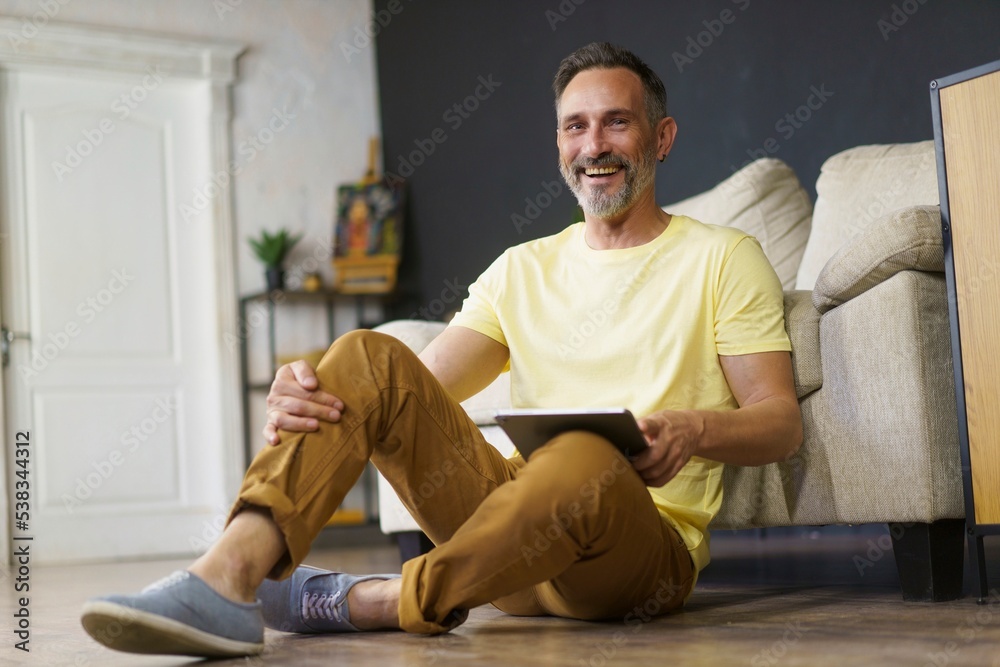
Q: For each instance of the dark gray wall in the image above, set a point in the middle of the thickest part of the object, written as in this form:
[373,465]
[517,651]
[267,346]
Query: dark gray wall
[473,168]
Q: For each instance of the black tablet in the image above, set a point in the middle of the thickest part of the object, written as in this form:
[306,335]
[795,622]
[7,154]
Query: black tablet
[529,429]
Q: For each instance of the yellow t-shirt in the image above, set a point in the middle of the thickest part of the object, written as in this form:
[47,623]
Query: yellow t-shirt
[639,327]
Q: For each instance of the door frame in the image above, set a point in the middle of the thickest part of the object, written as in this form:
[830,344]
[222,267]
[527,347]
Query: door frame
[67,47]
[4,438]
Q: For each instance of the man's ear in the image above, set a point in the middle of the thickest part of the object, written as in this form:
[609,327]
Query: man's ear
[666,131]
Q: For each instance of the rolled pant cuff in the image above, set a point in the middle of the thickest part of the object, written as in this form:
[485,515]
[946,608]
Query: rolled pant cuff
[288,519]
[411,617]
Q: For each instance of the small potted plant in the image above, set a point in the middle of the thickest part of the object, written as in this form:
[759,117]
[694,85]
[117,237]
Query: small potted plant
[272,249]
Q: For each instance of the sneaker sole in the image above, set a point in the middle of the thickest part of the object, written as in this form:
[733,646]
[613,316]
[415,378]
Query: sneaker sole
[142,632]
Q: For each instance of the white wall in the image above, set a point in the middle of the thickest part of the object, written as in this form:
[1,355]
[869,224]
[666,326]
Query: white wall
[294,63]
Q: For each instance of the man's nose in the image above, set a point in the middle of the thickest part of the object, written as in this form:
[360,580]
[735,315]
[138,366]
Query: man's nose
[596,143]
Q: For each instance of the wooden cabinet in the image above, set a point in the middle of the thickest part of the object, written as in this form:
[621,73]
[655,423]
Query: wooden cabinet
[966,109]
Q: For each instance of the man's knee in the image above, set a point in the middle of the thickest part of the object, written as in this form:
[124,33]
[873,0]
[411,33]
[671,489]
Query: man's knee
[366,340]
[589,464]
[369,350]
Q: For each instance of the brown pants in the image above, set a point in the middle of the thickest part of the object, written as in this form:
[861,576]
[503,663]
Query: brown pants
[573,533]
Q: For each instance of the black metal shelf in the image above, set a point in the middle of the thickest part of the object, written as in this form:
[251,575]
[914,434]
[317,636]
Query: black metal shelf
[272,299]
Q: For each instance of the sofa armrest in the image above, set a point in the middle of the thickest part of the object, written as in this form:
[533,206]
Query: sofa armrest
[905,239]
[802,325]
[417,334]
[881,434]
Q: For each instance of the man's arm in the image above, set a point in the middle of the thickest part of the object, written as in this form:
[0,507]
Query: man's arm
[463,360]
[767,427]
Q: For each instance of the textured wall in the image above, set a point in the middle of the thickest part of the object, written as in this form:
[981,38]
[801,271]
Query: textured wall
[293,63]
[735,71]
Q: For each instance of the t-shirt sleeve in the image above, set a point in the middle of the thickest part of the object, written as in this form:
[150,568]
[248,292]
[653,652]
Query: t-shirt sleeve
[479,310]
[749,313]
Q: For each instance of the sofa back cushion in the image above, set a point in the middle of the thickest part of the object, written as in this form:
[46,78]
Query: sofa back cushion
[859,186]
[764,199]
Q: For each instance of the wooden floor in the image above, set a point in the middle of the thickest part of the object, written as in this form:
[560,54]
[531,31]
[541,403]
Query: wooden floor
[784,600]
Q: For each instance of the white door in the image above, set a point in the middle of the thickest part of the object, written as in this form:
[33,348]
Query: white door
[120,381]
[4,508]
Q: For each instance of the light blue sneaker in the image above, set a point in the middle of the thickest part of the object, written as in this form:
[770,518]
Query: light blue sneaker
[178,615]
[311,600]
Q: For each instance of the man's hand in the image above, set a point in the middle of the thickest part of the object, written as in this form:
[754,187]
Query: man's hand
[295,402]
[767,427]
[673,437]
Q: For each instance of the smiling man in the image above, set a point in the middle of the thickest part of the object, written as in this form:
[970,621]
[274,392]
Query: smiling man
[686,329]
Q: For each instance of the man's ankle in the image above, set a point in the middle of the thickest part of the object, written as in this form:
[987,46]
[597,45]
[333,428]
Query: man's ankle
[374,604]
[230,583]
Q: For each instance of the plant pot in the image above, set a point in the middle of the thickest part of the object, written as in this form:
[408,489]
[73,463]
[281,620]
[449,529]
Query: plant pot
[275,278]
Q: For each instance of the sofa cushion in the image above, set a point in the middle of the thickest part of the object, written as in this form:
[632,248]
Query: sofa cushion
[764,199]
[907,239]
[857,187]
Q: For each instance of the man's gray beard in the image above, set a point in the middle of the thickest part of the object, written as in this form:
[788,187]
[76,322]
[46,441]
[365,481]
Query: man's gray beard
[638,177]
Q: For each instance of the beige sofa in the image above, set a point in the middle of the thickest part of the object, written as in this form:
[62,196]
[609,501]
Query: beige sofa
[866,310]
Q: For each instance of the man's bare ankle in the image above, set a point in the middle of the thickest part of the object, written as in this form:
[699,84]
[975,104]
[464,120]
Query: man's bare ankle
[374,604]
[222,581]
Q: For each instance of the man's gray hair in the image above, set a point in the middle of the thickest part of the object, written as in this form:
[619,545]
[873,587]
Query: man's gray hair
[602,55]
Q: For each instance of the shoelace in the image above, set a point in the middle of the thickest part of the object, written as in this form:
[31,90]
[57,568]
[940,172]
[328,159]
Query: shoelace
[166,582]
[322,606]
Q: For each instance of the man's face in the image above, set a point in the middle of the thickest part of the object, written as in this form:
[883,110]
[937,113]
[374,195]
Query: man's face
[607,150]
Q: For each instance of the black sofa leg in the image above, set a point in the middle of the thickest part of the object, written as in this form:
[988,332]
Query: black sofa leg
[412,544]
[930,558]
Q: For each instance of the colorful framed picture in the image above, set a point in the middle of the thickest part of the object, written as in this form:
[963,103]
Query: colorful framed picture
[368,237]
